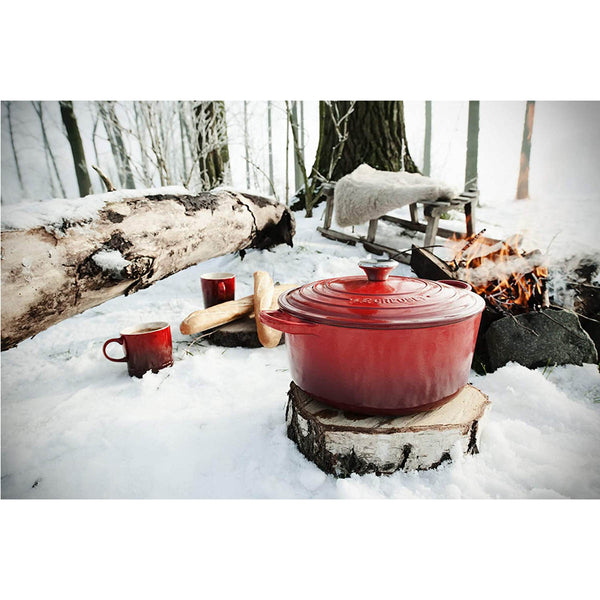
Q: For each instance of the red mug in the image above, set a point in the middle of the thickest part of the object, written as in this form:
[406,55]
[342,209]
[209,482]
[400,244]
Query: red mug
[147,346]
[217,288]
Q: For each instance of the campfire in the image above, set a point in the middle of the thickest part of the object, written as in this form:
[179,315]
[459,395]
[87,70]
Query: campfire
[519,323]
[510,280]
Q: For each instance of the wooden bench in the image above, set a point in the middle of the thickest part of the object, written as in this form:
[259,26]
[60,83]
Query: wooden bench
[432,209]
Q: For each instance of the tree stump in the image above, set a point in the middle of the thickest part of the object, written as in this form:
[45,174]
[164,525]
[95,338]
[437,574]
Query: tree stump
[342,443]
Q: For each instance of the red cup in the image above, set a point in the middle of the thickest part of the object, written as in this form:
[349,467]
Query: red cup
[217,288]
[147,346]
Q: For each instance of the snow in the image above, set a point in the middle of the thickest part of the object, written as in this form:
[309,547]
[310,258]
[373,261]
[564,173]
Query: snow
[110,260]
[57,212]
[213,426]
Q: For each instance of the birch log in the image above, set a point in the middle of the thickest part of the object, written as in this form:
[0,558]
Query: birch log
[50,273]
[342,443]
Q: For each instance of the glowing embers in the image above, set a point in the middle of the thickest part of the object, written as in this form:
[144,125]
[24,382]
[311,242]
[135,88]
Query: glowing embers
[510,280]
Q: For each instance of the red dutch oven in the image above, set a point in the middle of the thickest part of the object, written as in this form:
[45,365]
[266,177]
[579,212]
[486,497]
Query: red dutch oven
[379,344]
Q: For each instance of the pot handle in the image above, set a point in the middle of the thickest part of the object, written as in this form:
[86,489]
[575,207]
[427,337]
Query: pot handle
[280,320]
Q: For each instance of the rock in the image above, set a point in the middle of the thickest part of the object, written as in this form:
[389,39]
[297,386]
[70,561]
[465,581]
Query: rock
[537,339]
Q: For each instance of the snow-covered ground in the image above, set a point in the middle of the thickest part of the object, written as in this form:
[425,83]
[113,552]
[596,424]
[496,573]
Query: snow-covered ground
[74,425]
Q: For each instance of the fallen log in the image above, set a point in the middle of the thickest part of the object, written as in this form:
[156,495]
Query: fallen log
[119,242]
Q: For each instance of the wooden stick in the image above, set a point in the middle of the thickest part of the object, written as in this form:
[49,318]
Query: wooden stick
[201,320]
[105,180]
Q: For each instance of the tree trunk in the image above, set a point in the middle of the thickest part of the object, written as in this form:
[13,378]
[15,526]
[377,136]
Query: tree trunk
[523,183]
[81,170]
[51,273]
[427,143]
[342,443]
[213,151]
[182,136]
[270,136]
[246,145]
[299,154]
[12,145]
[120,146]
[472,145]
[39,109]
[376,136]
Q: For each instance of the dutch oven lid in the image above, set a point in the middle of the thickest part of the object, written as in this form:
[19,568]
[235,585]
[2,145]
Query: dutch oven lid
[379,301]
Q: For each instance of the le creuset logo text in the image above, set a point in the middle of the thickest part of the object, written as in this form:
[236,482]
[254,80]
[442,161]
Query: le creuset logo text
[402,300]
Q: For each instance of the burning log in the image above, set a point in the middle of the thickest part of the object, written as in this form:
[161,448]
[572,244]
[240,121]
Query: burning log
[517,324]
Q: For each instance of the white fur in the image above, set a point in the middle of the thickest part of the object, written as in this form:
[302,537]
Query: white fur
[367,193]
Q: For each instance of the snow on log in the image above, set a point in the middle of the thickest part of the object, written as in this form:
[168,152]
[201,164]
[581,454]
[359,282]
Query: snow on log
[75,254]
[342,443]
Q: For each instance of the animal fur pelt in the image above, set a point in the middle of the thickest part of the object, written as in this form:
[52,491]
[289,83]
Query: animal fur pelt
[367,193]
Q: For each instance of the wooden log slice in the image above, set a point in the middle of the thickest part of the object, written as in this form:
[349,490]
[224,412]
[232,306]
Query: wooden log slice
[241,333]
[342,443]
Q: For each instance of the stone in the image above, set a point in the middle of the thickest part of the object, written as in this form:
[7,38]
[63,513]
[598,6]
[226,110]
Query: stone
[539,338]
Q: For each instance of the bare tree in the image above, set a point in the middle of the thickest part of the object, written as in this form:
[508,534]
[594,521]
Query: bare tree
[39,109]
[287,158]
[12,145]
[427,143]
[212,151]
[334,128]
[299,154]
[246,145]
[70,122]
[114,133]
[523,183]
[270,136]
[472,145]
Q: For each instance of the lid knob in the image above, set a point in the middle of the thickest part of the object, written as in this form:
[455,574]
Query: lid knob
[378,270]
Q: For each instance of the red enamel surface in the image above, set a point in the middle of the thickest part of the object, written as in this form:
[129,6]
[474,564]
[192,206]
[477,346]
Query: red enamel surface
[398,302]
[379,346]
[144,352]
[215,291]
[378,371]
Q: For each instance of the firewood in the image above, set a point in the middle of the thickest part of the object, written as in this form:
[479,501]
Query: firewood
[219,314]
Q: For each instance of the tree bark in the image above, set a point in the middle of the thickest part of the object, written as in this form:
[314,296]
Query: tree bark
[120,145]
[427,142]
[299,154]
[70,123]
[472,145]
[270,137]
[39,109]
[376,136]
[213,151]
[14,149]
[342,443]
[523,183]
[52,273]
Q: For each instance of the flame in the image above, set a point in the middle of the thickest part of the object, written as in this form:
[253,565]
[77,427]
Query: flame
[509,279]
